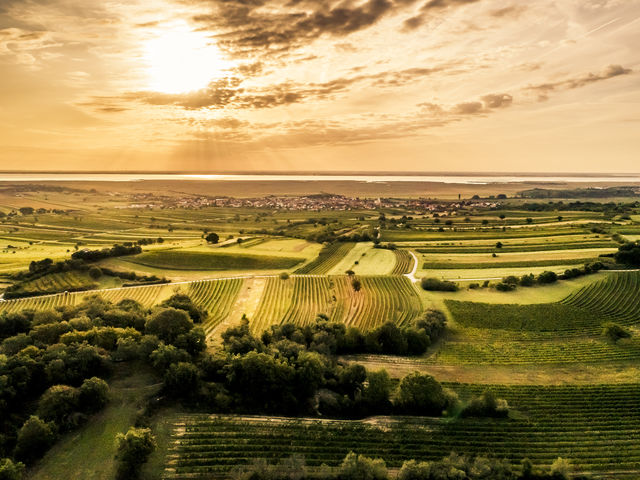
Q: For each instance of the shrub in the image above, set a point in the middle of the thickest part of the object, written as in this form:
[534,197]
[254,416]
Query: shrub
[615,332]
[212,238]
[561,468]
[284,276]
[547,277]
[629,254]
[34,439]
[95,273]
[505,287]
[527,280]
[356,284]
[133,450]
[433,284]
[57,403]
[93,395]
[10,470]
[359,467]
[486,405]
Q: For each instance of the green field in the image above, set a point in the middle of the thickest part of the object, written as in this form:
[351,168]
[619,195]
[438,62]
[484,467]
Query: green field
[597,427]
[213,260]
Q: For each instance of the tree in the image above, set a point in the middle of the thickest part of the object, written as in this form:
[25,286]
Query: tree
[212,238]
[182,379]
[498,244]
[93,395]
[168,323]
[629,254]
[377,392]
[26,210]
[559,218]
[95,272]
[529,220]
[547,277]
[57,403]
[34,439]
[421,394]
[356,284]
[133,450]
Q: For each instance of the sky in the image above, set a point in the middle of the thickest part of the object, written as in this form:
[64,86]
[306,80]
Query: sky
[320,85]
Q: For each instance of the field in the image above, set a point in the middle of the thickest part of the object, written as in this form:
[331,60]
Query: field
[598,427]
[300,299]
[573,391]
[213,260]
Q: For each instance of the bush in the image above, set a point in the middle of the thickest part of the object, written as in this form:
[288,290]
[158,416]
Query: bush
[284,276]
[133,450]
[10,470]
[629,254]
[505,287]
[359,467]
[486,405]
[435,285]
[58,403]
[527,280]
[212,238]
[95,273]
[561,468]
[547,277]
[93,395]
[615,332]
[35,437]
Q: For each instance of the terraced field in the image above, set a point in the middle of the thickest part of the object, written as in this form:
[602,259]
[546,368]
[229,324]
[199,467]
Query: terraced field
[596,427]
[217,297]
[328,258]
[300,299]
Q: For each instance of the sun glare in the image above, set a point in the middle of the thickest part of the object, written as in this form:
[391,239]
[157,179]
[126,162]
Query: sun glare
[181,60]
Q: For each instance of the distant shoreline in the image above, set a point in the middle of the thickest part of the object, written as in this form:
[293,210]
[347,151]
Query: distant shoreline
[377,178]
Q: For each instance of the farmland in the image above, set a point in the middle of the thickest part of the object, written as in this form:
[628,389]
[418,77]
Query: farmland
[597,426]
[573,391]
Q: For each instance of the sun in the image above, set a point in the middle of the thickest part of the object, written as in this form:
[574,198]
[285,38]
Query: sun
[180,60]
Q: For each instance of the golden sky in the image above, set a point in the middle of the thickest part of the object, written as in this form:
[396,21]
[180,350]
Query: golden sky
[392,85]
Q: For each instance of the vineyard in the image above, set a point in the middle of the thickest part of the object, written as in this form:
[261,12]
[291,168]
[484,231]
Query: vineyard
[582,313]
[217,297]
[616,297]
[328,258]
[404,262]
[300,299]
[596,427]
[147,295]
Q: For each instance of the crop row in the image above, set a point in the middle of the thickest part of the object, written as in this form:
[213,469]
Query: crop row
[596,427]
[328,258]
[404,262]
[217,297]
[300,299]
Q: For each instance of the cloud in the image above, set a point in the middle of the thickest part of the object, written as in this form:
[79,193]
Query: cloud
[429,7]
[230,92]
[259,27]
[543,89]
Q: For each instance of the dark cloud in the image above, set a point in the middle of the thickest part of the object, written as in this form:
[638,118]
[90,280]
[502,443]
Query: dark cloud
[248,29]
[543,89]
[229,92]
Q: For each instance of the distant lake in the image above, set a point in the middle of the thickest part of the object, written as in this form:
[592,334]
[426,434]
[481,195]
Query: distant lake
[471,179]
